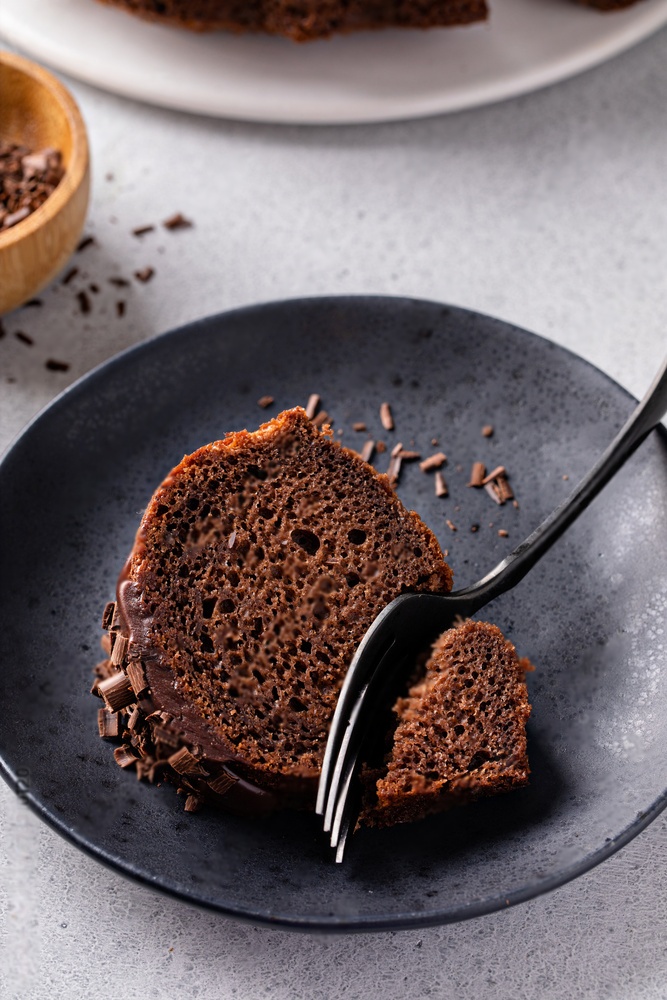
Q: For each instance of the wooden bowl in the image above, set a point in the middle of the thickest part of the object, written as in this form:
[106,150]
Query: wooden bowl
[38,111]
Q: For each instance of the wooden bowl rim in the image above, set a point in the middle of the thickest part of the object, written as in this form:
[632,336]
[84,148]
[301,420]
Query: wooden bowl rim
[77,169]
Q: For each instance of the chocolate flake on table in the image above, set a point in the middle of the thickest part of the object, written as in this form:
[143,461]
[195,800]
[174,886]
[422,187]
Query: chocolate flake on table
[119,282]
[450,525]
[312,405]
[177,221]
[265,401]
[24,338]
[386,417]
[504,488]
[33,303]
[474,528]
[502,533]
[477,474]
[359,425]
[84,302]
[145,274]
[27,178]
[487,431]
[499,471]
[322,418]
[434,442]
[107,723]
[493,491]
[406,455]
[120,308]
[56,366]
[2,330]
[565,476]
[72,273]
[193,804]
[92,287]
[116,691]
[367,451]
[394,470]
[433,461]
[124,756]
[142,230]
[440,485]
[396,450]
[380,447]
[87,241]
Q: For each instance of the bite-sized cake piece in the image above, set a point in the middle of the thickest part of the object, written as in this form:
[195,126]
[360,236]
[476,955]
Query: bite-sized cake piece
[259,564]
[460,732]
[306,19]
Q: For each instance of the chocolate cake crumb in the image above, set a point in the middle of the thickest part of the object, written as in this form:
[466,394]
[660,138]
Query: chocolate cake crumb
[487,431]
[177,221]
[312,405]
[92,287]
[380,447]
[502,533]
[265,401]
[386,417]
[474,528]
[56,366]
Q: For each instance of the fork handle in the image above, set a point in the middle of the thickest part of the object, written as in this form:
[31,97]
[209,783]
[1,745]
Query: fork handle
[514,567]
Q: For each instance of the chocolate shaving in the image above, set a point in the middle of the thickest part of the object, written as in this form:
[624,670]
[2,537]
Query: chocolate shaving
[107,615]
[87,241]
[177,221]
[500,470]
[166,737]
[409,456]
[450,525]
[386,417]
[396,450]
[394,470]
[222,783]
[134,718]
[137,677]
[312,405]
[124,756]
[367,451]
[142,230]
[119,650]
[493,491]
[84,301]
[116,691]
[184,762]
[56,366]
[359,425]
[322,418]
[441,489]
[107,723]
[145,274]
[433,461]
[504,488]
[193,803]
[24,338]
[72,273]
[477,474]
[265,401]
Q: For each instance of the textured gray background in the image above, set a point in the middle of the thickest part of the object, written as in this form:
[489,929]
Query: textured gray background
[549,211]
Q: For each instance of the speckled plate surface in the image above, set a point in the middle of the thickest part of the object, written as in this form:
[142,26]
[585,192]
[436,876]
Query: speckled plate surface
[590,616]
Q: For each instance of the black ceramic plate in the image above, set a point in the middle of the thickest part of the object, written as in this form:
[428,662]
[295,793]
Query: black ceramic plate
[590,616]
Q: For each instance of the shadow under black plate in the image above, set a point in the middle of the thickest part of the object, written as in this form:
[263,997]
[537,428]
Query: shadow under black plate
[71,493]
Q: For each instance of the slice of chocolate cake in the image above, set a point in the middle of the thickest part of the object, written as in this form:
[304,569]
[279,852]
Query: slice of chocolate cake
[306,19]
[460,731]
[259,564]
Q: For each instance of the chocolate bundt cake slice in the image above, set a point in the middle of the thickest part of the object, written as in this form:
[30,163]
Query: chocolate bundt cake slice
[305,20]
[259,564]
[460,731]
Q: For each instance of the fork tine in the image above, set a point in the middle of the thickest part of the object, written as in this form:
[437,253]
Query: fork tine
[340,759]
[343,813]
[372,648]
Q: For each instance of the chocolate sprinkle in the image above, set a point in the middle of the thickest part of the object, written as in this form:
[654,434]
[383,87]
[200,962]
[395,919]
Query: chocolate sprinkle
[433,461]
[56,366]
[84,302]
[72,273]
[359,425]
[177,221]
[119,282]
[24,338]
[322,418]
[312,405]
[145,274]
[367,451]
[142,230]
[87,241]
[120,309]
[441,489]
[386,417]
[477,474]
[265,401]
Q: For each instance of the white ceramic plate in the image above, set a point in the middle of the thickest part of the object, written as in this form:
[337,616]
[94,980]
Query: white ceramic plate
[359,78]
